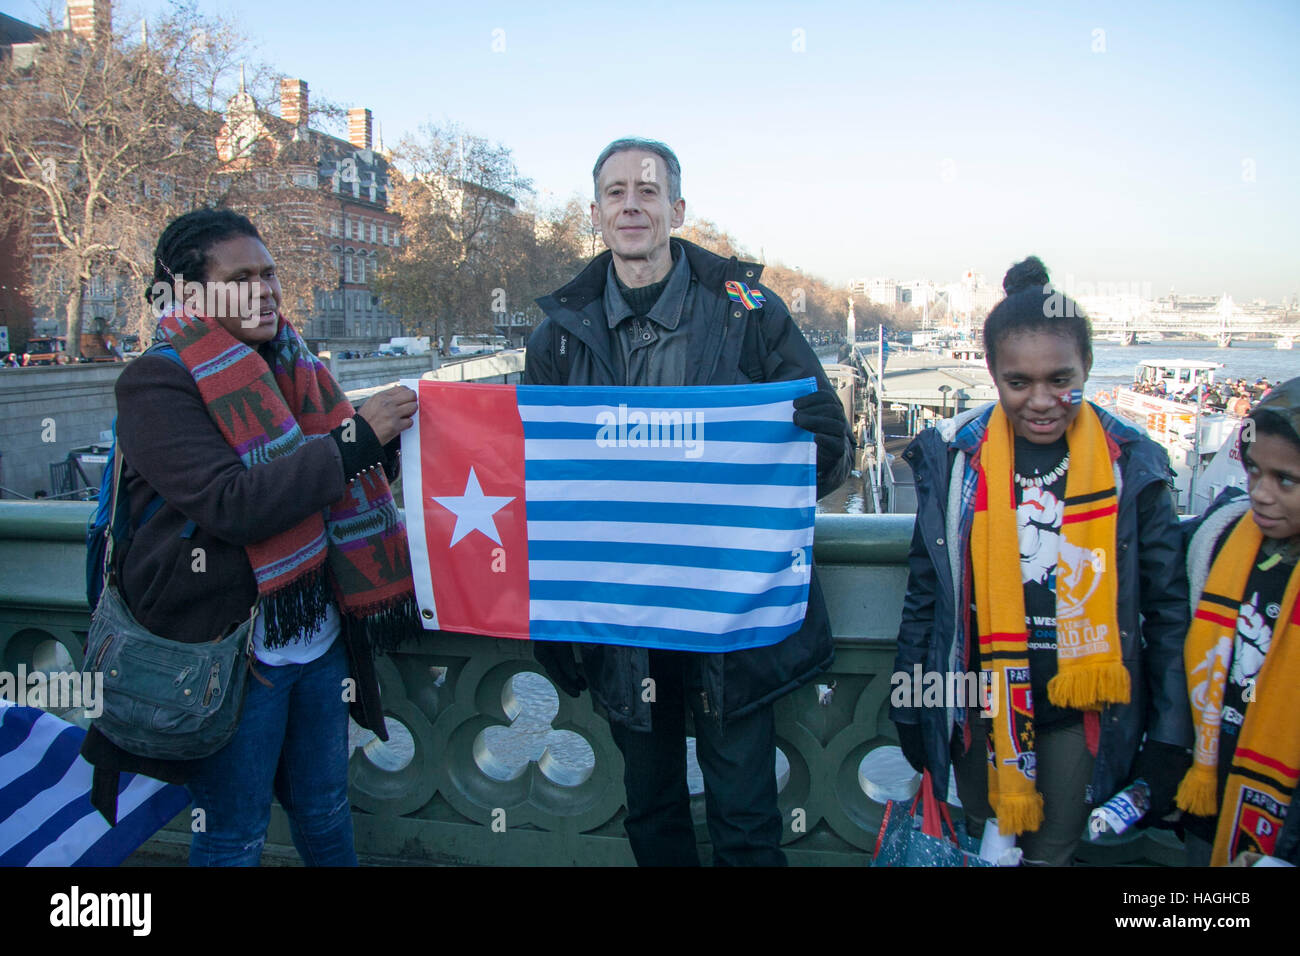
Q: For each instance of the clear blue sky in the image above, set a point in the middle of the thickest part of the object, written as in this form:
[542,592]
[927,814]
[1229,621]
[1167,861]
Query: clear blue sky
[906,139]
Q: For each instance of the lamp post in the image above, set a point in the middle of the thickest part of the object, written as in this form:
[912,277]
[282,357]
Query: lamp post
[944,390]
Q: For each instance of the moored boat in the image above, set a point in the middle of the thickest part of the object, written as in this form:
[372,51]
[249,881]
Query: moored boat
[1167,400]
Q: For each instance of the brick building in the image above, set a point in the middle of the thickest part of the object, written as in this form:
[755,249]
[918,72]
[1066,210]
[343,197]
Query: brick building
[338,197]
[344,200]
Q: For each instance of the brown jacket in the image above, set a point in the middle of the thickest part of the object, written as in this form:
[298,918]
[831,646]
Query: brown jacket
[184,574]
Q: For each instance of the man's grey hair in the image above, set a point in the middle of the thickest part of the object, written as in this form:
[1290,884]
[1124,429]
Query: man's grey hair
[649,146]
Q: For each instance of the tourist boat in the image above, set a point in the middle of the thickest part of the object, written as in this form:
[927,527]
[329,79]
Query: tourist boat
[1195,436]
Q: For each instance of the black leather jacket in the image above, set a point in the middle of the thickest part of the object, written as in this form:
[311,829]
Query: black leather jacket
[1152,599]
[734,683]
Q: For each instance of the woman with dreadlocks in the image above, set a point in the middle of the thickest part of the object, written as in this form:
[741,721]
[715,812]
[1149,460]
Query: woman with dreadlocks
[252,481]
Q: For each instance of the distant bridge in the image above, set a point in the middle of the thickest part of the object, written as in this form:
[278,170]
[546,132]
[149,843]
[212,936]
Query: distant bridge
[1209,325]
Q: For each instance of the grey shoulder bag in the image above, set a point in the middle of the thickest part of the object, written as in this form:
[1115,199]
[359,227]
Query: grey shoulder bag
[163,699]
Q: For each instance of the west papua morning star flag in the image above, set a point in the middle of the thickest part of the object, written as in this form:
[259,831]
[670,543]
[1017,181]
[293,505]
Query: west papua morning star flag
[676,518]
[45,814]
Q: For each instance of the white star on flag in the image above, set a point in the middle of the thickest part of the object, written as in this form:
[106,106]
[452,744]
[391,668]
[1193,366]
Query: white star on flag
[473,510]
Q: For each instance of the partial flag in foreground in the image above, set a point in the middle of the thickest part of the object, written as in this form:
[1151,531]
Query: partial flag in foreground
[676,518]
[45,814]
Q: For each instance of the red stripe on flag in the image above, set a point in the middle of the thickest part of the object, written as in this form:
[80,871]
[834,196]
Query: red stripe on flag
[1230,622]
[1088,515]
[480,585]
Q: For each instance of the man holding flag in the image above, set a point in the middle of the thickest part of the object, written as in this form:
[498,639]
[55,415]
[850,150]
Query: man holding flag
[656,311]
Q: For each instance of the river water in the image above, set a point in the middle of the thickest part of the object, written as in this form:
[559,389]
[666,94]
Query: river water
[1113,364]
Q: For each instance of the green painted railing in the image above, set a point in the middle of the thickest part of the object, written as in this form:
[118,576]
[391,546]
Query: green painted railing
[438,803]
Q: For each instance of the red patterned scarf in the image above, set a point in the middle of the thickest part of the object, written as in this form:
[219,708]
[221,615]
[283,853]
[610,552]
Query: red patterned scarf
[354,552]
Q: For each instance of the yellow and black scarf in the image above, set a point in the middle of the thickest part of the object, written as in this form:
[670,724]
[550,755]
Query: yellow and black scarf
[1266,763]
[1091,670]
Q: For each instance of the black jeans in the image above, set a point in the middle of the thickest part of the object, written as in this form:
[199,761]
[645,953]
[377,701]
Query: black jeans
[1064,769]
[739,778]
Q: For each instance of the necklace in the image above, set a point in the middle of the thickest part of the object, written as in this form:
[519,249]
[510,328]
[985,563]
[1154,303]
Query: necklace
[1051,477]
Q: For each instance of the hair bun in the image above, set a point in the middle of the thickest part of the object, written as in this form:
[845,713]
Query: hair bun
[1023,275]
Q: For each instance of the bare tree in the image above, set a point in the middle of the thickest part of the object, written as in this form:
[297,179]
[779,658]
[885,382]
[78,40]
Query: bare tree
[104,139]
[462,234]
[97,148]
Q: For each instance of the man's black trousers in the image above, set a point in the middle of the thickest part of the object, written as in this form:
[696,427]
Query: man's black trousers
[739,778]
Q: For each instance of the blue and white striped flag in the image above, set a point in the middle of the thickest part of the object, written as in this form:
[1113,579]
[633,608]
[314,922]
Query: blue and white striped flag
[678,518]
[45,814]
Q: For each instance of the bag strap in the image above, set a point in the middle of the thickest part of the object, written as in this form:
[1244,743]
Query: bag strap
[169,351]
[933,813]
[112,510]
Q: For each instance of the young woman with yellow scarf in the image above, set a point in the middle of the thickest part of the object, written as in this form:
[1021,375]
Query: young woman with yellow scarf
[1243,651]
[1082,648]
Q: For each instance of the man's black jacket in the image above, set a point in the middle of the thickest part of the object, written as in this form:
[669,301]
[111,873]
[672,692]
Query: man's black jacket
[734,683]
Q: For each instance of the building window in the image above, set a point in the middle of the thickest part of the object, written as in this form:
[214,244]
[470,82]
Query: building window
[372,232]
[335,226]
[347,268]
[347,228]
[361,268]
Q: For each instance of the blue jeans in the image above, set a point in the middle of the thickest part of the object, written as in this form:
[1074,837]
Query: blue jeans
[293,738]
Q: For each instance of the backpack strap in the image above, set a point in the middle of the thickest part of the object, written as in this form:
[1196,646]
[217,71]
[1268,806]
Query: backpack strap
[167,350]
[562,355]
[753,349]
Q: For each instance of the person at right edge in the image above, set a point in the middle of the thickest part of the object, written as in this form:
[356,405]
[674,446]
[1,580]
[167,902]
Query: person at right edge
[656,311]
[1243,651]
[1083,649]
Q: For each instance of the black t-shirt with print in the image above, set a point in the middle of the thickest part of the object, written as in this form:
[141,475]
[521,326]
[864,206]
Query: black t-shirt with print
[1256,621]
[1039,509]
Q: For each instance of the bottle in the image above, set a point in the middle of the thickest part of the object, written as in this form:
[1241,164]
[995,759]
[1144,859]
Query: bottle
[1121,811]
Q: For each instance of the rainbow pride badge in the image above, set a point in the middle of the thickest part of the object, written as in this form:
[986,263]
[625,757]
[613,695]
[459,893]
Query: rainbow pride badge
[739,292]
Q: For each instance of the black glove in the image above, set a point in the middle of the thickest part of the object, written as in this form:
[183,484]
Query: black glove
[1162,766]
[913,744]
[822,414]
[557,658]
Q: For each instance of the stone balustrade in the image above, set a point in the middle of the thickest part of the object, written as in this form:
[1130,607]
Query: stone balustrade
[437,793]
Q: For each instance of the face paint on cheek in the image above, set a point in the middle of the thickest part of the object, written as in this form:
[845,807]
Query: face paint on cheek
[1071,398]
